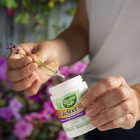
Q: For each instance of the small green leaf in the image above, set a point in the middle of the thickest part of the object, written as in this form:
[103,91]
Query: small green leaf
[2,102]
[71,11]
[23,18]
[11,3]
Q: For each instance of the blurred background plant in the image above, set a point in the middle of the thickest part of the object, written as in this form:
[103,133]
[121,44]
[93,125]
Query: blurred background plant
[31,118]
[33,20]
[35,9]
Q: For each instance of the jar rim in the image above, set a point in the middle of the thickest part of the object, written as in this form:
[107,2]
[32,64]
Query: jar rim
[62,87]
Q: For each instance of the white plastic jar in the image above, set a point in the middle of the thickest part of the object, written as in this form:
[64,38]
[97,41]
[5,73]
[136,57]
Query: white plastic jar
[66,100]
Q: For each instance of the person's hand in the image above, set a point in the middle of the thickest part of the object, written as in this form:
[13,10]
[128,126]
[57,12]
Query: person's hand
[112,104]
[23,68]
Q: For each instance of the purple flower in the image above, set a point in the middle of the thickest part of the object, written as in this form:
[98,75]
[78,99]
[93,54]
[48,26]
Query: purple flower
[3,68]
[48,106]
[32,116]
[78,68]
[65,70]
[62,136]
[41,116]
[6,113]
[15,106]
[15,103]
[23,129]
[13,48]
[36,97]
[28,118]
[10,46]
[44,115]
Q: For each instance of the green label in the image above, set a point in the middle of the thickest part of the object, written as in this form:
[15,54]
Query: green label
[70,101]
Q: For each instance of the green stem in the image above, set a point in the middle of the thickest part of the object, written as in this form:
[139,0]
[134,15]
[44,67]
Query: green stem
[56,73]
[44,65]
[41,63]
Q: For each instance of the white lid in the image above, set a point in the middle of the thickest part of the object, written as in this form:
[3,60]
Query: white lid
[65,86]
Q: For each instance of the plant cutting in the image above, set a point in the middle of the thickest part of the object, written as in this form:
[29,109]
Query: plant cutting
[15,50]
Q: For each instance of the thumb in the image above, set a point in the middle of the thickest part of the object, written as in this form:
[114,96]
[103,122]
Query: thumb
[43,53]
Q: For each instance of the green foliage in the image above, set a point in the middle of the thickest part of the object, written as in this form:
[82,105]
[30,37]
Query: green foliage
[71,11]
[23,18]
[9,3]
[36,10]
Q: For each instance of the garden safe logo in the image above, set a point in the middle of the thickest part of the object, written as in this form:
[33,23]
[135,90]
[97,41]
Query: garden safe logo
[70,101]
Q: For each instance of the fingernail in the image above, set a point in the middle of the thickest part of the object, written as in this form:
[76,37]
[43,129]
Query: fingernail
[33,67]
[100,128]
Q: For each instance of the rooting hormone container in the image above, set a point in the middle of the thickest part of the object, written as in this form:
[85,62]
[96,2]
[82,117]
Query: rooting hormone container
[66,100]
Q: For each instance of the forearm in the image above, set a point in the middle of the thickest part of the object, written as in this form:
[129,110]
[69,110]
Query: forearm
[71,45]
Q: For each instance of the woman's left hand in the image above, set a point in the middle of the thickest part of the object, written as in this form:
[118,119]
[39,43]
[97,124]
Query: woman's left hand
[112,104]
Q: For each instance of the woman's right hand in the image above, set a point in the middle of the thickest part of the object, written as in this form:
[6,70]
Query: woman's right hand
[25,72]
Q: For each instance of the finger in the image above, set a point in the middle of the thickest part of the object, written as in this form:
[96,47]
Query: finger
[43,52]
[113,113]
[101,88]
[114,97]
[33,89]
[21,53]
[19,63]
[27,47]
[125,122]
[19,74]
[45,74]
[24,84]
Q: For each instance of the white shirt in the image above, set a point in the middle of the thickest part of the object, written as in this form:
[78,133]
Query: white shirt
[114,40]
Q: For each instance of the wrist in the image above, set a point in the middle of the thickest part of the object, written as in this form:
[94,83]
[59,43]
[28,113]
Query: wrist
[62,51]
